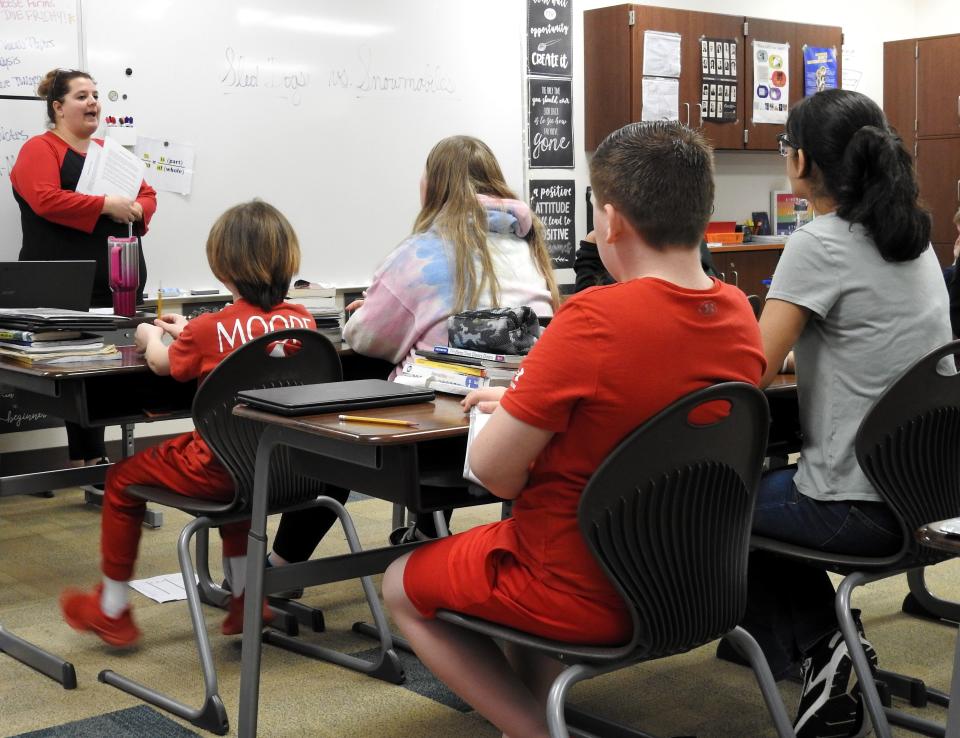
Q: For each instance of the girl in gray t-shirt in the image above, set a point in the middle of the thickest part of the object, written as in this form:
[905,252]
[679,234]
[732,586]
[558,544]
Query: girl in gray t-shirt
[858,295]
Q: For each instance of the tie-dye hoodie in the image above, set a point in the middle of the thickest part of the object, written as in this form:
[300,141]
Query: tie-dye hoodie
[407,306]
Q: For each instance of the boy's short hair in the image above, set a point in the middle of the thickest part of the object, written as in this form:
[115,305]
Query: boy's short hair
[660,177]
[253,246]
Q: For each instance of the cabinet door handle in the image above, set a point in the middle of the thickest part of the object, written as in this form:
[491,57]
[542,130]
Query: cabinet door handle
[687,106]
[700,108]
[958,190]
[736,279]
[723,277]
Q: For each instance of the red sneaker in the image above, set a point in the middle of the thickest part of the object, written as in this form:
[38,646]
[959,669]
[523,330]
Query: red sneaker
[233,623]
[82,612]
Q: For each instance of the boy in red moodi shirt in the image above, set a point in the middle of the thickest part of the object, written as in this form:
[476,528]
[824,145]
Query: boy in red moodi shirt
[253,250]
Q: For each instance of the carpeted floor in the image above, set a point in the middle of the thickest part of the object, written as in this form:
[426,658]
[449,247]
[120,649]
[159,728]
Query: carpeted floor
[47,544]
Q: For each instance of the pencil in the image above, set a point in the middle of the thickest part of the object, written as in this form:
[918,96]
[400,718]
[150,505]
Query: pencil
[384,421]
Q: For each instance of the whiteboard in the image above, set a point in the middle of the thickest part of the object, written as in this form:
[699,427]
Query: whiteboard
[35,37]
[325,109]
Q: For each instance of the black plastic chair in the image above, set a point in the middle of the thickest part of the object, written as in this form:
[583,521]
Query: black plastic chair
[908,446]
[234,441]
[667,515]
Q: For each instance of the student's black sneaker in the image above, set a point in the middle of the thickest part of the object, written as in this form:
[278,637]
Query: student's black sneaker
[829,706]
[408,534]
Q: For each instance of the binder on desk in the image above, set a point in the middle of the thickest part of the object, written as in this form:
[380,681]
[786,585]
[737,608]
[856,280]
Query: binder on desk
[330,397]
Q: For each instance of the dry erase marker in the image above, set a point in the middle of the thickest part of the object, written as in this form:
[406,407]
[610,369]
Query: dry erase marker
[383,421]
[160,300]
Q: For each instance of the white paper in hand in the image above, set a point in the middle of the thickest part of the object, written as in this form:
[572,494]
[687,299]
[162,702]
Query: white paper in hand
[110,170]
[477,421]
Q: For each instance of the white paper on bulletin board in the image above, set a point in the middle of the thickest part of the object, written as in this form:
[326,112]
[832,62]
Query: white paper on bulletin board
[661,54]
[169,166]
[661,96]
[771,82]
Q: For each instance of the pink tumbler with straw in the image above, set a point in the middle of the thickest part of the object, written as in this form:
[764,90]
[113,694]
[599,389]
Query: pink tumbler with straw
[123,257]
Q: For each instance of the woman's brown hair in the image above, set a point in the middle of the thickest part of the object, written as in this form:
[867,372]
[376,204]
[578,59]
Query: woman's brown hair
[458,169]
[254,247]
[55,85]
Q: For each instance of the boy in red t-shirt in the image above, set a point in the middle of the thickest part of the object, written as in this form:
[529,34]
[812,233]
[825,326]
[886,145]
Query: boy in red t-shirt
[253,250]
[612,357]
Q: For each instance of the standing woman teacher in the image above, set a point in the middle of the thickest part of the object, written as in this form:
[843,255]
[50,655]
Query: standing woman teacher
[60,224]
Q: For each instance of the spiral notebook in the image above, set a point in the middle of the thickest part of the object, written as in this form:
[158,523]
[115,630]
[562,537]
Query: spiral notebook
[331,397]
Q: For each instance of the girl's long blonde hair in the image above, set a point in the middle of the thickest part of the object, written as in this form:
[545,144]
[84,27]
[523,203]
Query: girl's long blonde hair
[458,169]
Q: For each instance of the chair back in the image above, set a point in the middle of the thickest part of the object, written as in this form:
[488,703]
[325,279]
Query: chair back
[258,364]
[668,515]
[908,446]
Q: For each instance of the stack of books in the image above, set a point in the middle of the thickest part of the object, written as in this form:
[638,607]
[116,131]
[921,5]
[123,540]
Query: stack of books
[321,303]
[56,346]
[458,371]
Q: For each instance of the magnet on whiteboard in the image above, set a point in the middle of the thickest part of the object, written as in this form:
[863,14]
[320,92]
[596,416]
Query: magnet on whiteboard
[113,96]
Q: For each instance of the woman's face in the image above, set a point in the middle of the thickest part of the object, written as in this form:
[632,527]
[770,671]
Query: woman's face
[79,113]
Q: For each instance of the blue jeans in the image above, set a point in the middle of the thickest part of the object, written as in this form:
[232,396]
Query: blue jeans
[790,604]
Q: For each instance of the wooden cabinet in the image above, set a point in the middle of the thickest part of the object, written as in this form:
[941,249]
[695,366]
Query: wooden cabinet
[763,136]
[922,101]
[613,68]
[938,108]
[747,265]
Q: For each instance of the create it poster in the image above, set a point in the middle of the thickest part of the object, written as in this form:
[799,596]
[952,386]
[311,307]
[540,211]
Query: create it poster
[771,82]
[819,69]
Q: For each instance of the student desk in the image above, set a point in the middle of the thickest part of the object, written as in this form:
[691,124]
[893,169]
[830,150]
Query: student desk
[93,394]
[377,460]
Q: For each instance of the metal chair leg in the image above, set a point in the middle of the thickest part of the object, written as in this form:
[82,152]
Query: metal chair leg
[387,666]
[211,715]
[868,687]
[210,593]
[749,648]
[921,602]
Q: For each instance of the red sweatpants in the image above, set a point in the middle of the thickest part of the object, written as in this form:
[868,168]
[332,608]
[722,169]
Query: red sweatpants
[183,464]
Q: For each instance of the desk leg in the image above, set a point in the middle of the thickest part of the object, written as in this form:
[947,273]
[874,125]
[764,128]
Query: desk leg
[36,658]
[253,590]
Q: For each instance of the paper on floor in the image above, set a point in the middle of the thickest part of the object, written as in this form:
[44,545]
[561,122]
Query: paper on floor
[164,588]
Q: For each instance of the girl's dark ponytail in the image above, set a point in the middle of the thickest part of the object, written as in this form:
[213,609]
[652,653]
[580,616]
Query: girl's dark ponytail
[861,163]
[879,190]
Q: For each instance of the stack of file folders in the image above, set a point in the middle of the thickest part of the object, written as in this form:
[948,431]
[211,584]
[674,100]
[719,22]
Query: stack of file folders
[458,371]
[58,346]
[43,319]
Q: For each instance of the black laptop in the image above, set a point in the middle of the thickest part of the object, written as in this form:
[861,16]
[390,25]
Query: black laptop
[331,397]
[65,285]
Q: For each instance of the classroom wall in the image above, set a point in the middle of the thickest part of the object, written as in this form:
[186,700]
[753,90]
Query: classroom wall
[744,179]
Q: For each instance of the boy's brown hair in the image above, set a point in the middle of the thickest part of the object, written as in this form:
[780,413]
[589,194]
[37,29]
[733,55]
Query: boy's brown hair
[660,177]
[254,247]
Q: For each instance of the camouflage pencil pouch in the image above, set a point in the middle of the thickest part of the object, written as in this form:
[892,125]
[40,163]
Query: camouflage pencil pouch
[496,331]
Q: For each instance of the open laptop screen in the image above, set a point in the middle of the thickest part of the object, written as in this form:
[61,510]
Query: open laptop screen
[66,285]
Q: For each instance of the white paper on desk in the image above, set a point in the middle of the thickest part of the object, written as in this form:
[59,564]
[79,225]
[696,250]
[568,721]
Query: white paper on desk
[110,170]
[661,99]
[661,54]
[477,421]
[164,588]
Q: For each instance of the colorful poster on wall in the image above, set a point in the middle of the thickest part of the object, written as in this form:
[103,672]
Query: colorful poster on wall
[788,212]
[550,123]
[718,73]
[554,202]
[771,82]
[819,69]
[549,42]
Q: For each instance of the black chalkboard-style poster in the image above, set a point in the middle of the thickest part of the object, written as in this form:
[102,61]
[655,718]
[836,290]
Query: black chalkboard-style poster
[550,123]
[17,416]
[554,203]
[548,37]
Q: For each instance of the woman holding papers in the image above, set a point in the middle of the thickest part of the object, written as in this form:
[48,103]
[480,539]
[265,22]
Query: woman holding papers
[61,224]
